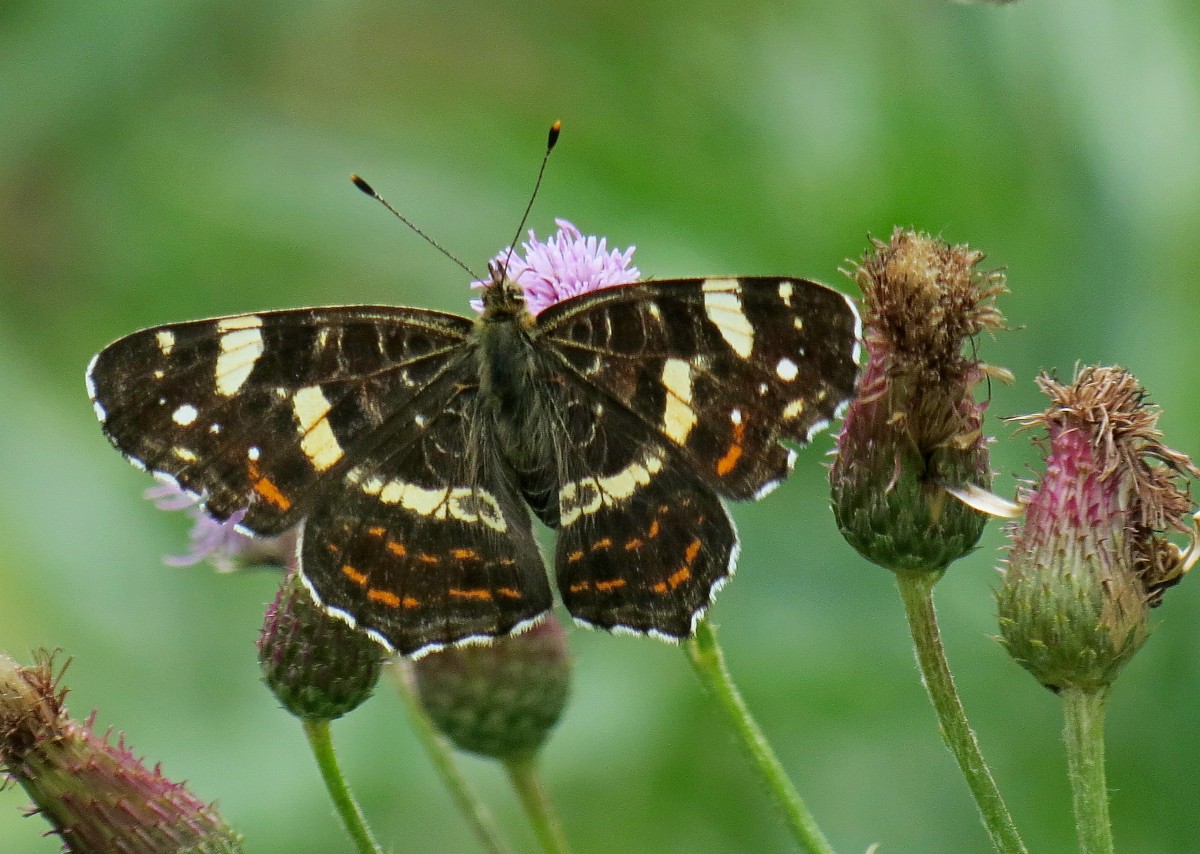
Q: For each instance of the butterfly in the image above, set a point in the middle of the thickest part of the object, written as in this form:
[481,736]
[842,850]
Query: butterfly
[412,445]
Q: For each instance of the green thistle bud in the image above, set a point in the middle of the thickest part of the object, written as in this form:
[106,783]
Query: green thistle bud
[914,435]
[1089,559]
[500,700]
[317,666]
[98,796]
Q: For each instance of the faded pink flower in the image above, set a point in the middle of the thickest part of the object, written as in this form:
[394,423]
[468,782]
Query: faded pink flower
[221,543]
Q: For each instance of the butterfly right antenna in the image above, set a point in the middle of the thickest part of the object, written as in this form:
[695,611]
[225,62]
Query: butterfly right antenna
[551,140]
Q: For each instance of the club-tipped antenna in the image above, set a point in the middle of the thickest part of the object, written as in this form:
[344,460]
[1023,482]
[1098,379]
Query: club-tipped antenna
[551,140]
[370,191]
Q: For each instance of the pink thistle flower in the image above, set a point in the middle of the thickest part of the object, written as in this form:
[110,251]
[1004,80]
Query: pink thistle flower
[221,543]
[567,264]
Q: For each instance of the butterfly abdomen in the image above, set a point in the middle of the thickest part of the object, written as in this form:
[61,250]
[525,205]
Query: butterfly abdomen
[512,393]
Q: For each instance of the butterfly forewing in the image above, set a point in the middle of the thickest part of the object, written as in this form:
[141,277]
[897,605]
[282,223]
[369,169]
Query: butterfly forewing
[424,541]
[723,368]
[250,411]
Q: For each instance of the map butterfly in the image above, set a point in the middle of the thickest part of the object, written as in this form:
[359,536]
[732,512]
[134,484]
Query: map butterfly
[411,445]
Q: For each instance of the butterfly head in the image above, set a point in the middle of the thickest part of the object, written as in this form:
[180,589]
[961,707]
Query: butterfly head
[503,297]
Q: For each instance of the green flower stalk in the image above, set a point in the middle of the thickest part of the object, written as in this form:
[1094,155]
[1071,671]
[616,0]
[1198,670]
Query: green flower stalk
[98,796]
[1090,558]
[913,438]
[317,666]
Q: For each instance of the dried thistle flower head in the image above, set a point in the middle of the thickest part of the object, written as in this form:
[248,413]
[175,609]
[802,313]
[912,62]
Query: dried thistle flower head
[1090,557]
[98,796]
[915,434]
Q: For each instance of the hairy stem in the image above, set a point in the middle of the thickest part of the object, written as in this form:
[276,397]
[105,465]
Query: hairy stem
[709,664]
[916,589]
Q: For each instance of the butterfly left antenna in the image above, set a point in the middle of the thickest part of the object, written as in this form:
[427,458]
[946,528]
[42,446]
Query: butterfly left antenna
[370,191]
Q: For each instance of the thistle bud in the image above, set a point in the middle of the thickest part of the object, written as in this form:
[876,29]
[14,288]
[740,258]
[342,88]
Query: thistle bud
[914,435]
[318,667]
[1090,557]
[500,700]
[98,796]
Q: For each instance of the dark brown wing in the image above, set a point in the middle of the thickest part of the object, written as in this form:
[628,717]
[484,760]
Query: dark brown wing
[251,411]
[724,369]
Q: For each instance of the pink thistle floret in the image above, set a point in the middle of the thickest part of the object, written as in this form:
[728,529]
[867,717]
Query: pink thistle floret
[223,543]
[567,264]
[220,543]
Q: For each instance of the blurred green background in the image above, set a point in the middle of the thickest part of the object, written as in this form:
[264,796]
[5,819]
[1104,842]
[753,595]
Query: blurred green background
[166,161]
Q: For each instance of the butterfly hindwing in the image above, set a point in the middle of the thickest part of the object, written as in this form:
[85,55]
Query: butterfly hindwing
[424,541]
[643,542]
[250,411]
[722,368]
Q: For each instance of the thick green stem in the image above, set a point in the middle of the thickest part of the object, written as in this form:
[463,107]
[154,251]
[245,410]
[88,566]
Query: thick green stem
[439,750]
[709,664]
[321,742]
[528,785]
[1083,734]
[916,589]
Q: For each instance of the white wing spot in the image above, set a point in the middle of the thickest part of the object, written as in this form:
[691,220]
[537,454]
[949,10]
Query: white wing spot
[166,341]
[316,435]
[214,428]
[785,293]
[735,415]
[253,453]
[723,305]
[241,346]
[470,505]
[786,369]
[241,321]
[794,409]
[462,503]
[678,415]
[590,494]
[185,415]
[158,375]
[185,454]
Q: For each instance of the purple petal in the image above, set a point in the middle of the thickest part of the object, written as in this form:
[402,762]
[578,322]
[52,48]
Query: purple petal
[567,264]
